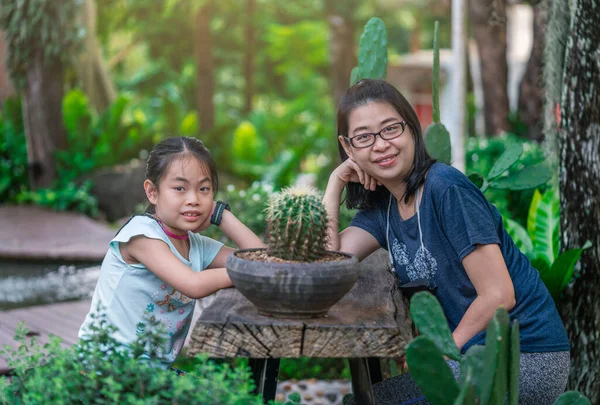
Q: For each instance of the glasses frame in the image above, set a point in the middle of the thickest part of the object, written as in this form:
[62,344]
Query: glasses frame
[351,139]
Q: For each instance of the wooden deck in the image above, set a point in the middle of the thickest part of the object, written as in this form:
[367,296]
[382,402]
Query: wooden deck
[62,319]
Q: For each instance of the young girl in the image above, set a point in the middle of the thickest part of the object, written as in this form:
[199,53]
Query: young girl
[440,232]
[157,264]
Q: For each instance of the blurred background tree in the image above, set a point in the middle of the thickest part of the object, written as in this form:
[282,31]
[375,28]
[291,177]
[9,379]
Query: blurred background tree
[256,80]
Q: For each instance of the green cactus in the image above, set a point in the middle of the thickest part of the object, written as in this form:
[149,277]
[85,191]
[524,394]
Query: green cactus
[427,365]
[467,395]
[514,365]
[572,398]
[473,360]
[432,323]
[372,52]
[488,373]
[437,137]
[499,330]
[297,225]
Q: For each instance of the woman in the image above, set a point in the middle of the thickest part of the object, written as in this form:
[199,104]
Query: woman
[441,231]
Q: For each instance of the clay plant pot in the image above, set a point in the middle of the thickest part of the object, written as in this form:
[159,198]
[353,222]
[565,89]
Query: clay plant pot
[292,290]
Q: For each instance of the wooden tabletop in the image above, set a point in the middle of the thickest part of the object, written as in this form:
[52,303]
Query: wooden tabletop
[372,320]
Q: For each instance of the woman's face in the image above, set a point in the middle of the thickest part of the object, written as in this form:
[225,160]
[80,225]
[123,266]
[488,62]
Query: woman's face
[386,159]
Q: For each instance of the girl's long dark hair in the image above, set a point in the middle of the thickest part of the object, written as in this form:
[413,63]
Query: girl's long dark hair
[170,149]
[362,93]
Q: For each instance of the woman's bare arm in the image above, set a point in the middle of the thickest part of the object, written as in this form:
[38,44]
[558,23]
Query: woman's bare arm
[487,271]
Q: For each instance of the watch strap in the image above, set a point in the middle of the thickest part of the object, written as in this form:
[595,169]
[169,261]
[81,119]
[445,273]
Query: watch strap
[217,214]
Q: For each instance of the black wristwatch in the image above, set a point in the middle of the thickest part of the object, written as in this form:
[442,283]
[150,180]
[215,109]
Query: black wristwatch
[217,214]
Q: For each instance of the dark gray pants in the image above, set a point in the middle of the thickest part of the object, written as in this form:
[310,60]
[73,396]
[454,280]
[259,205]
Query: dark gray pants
[542,379]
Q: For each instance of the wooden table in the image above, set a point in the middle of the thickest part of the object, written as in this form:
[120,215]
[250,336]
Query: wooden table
[370,322]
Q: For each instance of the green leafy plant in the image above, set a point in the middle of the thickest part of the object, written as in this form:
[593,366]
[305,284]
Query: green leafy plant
[488,374]
[541,243]
[297,225]
[14,185]
[100,371]
[113,137]
[293,130]
[529,177]
[67,196]
[481,155]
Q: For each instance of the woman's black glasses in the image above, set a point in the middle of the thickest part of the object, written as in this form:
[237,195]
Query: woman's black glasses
[389,132]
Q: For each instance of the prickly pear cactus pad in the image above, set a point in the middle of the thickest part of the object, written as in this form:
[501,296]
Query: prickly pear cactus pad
[372,52]
[297,225]
[437,137]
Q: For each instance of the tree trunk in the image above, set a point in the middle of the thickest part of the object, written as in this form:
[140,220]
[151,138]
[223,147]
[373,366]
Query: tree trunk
[90,66]
[489,28]
[44,129]
[579,147]
[531,102]
[205,68]
[6,87]
[249,55]
[342,46]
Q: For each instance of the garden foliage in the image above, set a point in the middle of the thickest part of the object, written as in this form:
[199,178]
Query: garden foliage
[540,241]
[14,184]
[100,371]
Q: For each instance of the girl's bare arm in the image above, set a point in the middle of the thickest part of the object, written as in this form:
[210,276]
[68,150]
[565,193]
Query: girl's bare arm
[239,233]
[157,257]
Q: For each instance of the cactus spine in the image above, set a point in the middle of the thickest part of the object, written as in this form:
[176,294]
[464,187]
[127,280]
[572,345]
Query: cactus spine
[297,225]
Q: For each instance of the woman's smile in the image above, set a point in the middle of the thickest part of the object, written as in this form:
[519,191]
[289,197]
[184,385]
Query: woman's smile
[386,161]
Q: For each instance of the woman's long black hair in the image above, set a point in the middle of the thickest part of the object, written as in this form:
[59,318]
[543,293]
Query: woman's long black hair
[362,93]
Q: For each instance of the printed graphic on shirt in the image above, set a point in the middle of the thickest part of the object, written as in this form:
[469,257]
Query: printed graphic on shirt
[423,266]
[170,299]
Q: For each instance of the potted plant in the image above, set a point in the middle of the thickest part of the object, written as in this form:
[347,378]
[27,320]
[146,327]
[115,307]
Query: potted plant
[295,276]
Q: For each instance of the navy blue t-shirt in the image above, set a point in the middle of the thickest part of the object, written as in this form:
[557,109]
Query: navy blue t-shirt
[454,216]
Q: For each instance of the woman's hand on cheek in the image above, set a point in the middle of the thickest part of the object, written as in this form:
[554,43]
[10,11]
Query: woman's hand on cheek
[350,172]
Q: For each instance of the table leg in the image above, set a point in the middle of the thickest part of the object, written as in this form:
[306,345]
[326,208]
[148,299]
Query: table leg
[361,381]
[265,373]
[375,370]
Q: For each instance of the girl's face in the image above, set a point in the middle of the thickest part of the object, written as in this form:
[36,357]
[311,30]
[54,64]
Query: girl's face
[386,159]
[184,198]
